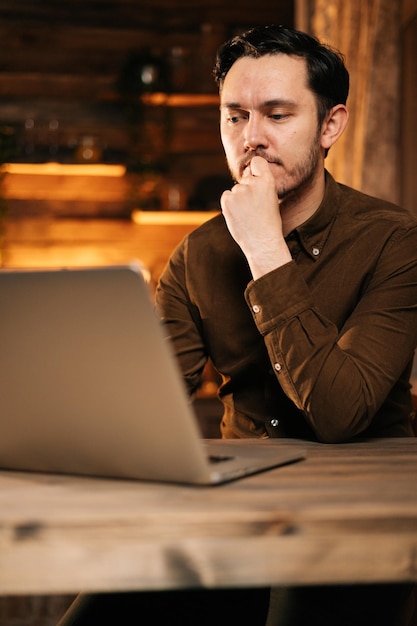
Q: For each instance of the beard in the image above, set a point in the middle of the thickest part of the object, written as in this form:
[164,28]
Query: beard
[299,179]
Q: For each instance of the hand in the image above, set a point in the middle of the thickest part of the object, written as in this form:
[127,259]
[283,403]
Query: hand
[251,211]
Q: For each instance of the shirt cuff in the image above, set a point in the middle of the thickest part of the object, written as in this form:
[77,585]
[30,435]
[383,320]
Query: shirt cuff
[277,297]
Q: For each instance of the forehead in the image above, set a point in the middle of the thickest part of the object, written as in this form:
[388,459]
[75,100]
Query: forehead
[266,77]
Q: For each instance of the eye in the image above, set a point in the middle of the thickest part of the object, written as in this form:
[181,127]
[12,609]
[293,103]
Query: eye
[233,116]
[279,116]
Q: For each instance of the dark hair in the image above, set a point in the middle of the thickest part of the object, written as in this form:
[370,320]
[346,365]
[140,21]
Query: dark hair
[328,77]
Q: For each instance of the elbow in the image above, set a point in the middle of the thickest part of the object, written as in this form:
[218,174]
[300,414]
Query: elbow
[336,430]
[332,437]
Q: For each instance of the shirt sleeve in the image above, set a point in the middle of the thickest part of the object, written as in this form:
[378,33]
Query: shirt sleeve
[340,378]
[182,320]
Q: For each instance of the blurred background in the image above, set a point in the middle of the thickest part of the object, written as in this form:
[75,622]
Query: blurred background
[129,83]
[109,141]
[109,115]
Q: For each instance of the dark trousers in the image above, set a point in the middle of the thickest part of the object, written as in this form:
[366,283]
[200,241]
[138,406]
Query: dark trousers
[344,605]
[338,605]
[199,607]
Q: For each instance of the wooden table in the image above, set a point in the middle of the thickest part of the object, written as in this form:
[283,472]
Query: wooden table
[347,513]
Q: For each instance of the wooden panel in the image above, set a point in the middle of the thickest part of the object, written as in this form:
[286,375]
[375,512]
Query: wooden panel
[60,70]
[79,190]
[409,112]
[162,15]
[47,242]
[66,190]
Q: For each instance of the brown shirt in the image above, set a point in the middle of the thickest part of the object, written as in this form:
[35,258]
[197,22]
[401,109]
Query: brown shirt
[320,348]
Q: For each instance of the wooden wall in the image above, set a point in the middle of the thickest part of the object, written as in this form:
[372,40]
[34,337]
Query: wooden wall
[408,157]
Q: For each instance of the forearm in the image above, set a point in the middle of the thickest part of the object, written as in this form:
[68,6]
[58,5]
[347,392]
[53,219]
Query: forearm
[338,378]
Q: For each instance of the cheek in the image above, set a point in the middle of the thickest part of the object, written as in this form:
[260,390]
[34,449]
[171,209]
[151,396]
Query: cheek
[228,144]
[297,142]
[231,136]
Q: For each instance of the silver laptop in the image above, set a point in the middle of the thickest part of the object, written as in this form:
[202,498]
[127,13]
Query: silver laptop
[89,385]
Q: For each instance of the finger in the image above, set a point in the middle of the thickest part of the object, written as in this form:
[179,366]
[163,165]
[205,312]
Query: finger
[258,166]
[247,171]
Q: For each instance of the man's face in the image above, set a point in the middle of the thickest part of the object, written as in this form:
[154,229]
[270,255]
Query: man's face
[267,109]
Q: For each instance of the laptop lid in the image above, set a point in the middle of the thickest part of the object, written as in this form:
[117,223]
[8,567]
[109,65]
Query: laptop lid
[89,384]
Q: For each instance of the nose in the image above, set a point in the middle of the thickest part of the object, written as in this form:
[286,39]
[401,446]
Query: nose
[255,134]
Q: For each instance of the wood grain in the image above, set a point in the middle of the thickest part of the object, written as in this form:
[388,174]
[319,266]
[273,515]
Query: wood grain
[347,513]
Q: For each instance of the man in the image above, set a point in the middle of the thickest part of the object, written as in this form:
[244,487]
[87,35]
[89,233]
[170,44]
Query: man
[302,292]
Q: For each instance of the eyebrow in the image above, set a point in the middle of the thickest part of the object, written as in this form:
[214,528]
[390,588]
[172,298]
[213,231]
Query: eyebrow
[268,103]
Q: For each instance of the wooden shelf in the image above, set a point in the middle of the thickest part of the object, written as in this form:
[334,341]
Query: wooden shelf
[78,190]
[180,99]
[169,218]
[45,241]
[52,168]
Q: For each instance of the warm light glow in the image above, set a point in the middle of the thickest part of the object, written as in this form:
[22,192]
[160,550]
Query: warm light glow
[65,169]
[174,217]
[180,99]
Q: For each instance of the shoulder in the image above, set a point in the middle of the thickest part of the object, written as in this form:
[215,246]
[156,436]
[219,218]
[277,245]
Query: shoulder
[211,234]
[367,208]
[210,244]
[214,226]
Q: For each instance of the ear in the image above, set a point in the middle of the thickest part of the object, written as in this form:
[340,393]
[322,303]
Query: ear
[334,125]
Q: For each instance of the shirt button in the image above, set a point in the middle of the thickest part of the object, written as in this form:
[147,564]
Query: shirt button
[256,308]
[277,367]
[315,251]
[274,422]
